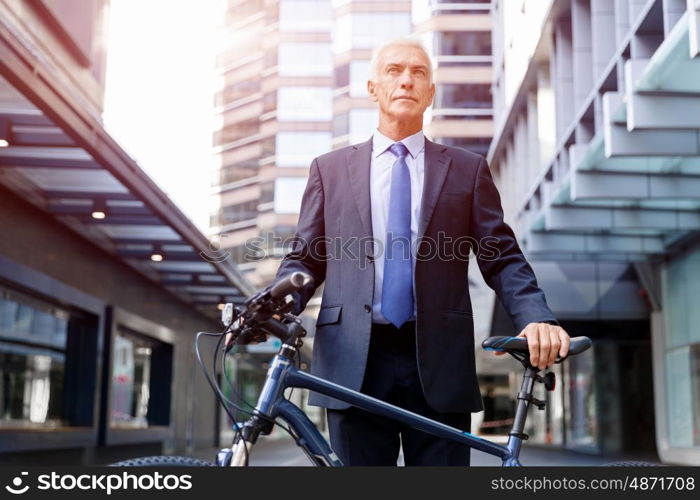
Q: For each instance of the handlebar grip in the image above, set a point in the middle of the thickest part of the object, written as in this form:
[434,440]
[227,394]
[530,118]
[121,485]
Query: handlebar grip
[290,284]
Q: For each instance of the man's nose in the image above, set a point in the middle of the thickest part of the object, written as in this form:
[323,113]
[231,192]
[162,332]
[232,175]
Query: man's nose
[406,79]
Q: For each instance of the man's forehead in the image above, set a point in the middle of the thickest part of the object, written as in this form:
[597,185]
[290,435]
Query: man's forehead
[404,55]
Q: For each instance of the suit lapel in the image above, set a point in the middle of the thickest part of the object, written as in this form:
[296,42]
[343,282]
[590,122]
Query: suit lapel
[358,165]
[437,163]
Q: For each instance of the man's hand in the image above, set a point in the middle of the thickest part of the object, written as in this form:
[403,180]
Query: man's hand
[545,342]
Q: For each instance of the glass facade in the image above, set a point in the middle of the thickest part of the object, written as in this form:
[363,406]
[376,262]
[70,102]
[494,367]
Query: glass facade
[305,15]
[33,337]
[298,149]
[304,104]
[304,59]
[463,43]
[463,95]
[681,286]
[136,359]
[288,194]
[364,30]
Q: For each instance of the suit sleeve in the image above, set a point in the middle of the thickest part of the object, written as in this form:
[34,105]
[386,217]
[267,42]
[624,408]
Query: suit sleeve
[500,259]
[308,248]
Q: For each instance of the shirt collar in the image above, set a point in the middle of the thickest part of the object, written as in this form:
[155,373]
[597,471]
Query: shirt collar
[414,143]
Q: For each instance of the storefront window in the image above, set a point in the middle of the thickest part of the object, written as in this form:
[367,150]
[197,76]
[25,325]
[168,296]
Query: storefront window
[135,360]
[34,355]
[582,429]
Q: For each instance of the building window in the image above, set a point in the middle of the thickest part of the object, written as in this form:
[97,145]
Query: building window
[462,43]
[239,212]
[463,95]
[681,284]
[368,30]
[478,145]
[43,362]
[304,104]
[288,194]
[305,59]
[359,74]
[298,149]
[141,368]
[341,76]
[362,123]
[305,15]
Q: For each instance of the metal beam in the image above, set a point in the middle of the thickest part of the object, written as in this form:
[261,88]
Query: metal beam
[589,185]
[621,142]
[593,243]
[127,220]
[30,117]
[90,195]
[86,210]
[663,112]
[594,218]
[32,156]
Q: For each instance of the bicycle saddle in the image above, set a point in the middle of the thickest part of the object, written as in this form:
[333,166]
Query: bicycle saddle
[519,344]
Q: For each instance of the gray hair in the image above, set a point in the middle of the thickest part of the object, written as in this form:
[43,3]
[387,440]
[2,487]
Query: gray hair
[411,41]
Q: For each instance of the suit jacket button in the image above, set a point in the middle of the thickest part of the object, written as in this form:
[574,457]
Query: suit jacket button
[368,308]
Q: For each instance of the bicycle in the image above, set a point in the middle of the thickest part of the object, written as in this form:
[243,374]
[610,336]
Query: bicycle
[267,313]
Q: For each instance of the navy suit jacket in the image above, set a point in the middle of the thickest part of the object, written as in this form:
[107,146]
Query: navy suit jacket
[333,244]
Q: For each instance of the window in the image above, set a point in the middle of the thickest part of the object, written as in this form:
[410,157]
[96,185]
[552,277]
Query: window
[359,74]
[478,145]
[304,104]
[463,95]
[43,363]
[368,30]
[236,213]
[362,124]
[305,15]
[305,59]
[298,149]
[341,76]
[461,43]
[288,194]
[139,397]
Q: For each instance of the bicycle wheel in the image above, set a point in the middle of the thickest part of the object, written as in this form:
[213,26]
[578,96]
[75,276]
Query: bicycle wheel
[163,461]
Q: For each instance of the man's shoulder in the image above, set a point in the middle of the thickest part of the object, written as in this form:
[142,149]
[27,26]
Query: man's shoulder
[333,157]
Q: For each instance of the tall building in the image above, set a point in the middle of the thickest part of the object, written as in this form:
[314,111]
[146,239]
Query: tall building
[595,153]
[276,108]
[458,35]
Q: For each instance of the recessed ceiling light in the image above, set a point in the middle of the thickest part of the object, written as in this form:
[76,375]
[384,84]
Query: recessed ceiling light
[156,257]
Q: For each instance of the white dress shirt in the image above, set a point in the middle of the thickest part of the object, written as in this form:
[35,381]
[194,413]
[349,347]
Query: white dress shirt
[380,188]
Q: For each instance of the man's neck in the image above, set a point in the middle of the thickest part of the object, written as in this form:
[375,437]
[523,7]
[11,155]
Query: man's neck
[398,130]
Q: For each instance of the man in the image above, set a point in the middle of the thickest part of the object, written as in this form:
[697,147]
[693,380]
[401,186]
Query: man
[397,325]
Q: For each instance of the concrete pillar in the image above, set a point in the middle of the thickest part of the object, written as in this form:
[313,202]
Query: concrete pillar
[582,51]
[603,34]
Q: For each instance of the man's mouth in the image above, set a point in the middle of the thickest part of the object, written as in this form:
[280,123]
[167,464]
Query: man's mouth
[404,98]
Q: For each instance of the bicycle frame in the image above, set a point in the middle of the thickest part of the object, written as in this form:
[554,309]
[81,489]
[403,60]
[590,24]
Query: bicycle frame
[272,404]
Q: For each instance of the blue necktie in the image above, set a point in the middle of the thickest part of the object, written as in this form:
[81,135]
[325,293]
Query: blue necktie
[397,287]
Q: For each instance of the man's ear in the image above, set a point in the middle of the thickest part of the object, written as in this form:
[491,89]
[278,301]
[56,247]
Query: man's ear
[371,90]
[432,94]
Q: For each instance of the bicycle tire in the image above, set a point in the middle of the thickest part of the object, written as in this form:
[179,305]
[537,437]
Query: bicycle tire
[632,463]
[163,461]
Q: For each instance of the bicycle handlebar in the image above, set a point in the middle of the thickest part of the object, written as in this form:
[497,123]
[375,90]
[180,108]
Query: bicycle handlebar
[288,285]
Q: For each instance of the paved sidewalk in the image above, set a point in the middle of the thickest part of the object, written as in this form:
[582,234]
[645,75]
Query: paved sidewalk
[284,452]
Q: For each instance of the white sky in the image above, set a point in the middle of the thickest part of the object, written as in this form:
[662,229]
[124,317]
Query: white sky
[160,94]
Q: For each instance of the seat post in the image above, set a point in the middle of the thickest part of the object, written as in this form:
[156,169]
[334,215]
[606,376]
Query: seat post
[516,435]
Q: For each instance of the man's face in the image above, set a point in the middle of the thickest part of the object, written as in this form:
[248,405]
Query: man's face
[402,88]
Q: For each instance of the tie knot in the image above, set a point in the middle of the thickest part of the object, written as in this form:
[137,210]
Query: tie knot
[398,149]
